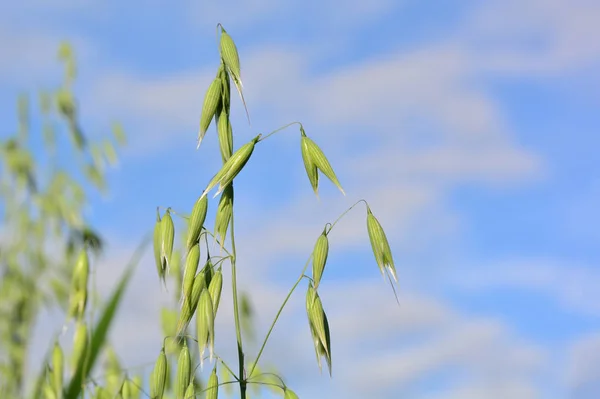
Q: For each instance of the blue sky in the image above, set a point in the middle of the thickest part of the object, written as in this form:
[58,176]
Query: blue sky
[470,127]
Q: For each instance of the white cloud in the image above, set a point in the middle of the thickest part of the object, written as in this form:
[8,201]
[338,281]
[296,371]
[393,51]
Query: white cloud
[535,36]
[574,287]
[583,365]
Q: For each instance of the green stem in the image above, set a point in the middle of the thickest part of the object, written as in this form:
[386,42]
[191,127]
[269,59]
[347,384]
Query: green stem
[228,368]
[262,348]
[281,128]
[345,212]
[236,312]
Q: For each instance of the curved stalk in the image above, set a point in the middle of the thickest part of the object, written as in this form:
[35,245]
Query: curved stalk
[262,348]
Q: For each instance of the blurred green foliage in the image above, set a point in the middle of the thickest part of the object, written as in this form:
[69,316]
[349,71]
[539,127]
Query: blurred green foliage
[45,182]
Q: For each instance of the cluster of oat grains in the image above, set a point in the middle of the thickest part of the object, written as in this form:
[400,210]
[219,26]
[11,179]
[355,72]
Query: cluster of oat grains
[199,289]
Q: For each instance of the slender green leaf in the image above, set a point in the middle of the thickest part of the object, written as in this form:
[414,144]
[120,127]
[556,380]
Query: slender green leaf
[101,330]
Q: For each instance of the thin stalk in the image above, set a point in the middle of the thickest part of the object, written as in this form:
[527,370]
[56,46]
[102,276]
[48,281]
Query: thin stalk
[277,130]
[345,212]
[277,316]
[236,312]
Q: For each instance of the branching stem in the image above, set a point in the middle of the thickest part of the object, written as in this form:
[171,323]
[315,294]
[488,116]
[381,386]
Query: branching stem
[277,316]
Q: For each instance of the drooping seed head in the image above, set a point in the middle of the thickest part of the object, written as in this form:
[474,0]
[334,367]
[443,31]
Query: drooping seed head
[81,272]
[230,55]
[157,241]
[190,392]
[208,271]
[79,282]
[159,376]
[215,287]
[189,272]
[168,238]
[320,257]
[197,219]
[380,246]
[232,167]
[184,369]
[57,369]
[205,324]
[317,317]
[125,390]
[77,304]
[225,88]
[318,158]
[212,387]
[224,214]
[225,134]
[319,326]
[311,169]
[189,305]
[80,340]
[212,98]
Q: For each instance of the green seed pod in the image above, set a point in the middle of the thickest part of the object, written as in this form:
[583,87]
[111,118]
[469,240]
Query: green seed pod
[189,273]
[311,169]
[214,289]
[318,158]
[232,167]
[158,247]
[80,345]
[224,214]
[319,326]
[289,394]
[225,134]
[81,272]
[190,392]
[230,55]
[57,370]
[225,89]
[190,304]
[197,219]
[208,271]
[320,257]
[168,237]
[159,376]
[77,303]
[125,390]
[212,99]
[212,389]
[184,369]
[78,296]
[380,245]
[317,317]
[205,324]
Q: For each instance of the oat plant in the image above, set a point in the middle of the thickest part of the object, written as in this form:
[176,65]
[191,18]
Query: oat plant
[201,286]
[184,263]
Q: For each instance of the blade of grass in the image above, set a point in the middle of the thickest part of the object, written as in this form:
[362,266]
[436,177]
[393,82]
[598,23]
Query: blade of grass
[101,330]
[37,390]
